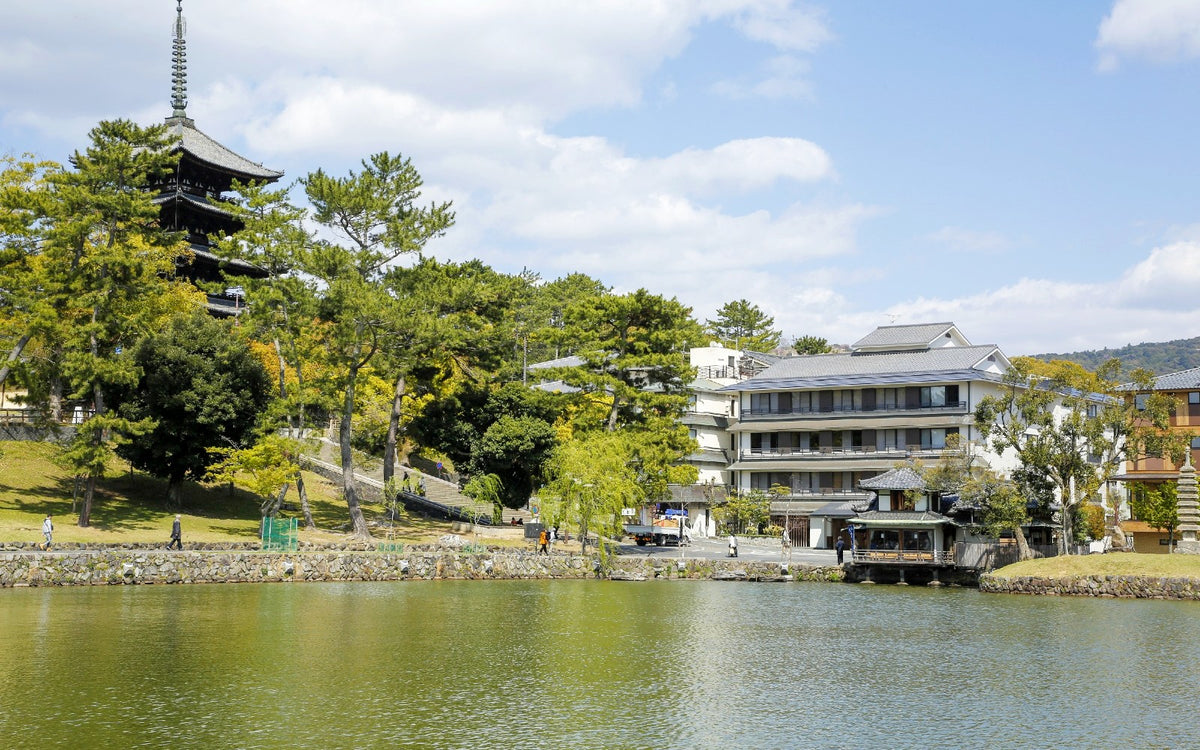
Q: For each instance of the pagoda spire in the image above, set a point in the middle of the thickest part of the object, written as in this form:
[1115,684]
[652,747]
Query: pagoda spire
[179,65]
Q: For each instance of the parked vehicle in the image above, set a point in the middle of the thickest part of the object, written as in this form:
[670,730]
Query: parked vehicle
[661,531]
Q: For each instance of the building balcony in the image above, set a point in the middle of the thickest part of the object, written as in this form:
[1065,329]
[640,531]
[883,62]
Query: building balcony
[897,453]
[768,414]
[819,493]
[717,372]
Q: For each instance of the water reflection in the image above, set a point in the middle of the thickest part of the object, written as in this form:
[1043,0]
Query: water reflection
[590,664]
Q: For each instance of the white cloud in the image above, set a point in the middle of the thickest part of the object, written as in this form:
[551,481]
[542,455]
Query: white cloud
[782,77]
[968,241]
[784,25]
[1153,300]
[1168,279]
[1156,30]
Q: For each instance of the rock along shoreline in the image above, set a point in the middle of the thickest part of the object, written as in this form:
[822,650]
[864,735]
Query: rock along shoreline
[100,567]
[1106,586]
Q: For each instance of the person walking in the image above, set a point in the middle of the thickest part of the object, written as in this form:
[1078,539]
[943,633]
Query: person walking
[543,541]
[732,546]
[176,534]
[841,549]
[47,531]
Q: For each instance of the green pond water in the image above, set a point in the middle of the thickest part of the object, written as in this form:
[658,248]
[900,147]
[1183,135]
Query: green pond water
[592,664]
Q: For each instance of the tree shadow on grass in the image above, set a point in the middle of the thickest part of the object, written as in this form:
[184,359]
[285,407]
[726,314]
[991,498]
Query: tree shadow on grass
[241,532]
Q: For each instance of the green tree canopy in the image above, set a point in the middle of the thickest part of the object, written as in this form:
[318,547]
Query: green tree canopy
[375,216]
[202,388]
[107,279]
[740,324]
[1157,505]
[634,350]
[811,345]
[1047,419]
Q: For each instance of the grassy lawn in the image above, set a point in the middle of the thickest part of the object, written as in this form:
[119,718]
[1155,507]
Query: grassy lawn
[132,507]
[1118,564]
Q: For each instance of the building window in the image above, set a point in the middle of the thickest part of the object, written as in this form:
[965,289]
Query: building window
[933,439]
[933,395]
[1194,397]
[692,434]
[1139,401]
[1196,443]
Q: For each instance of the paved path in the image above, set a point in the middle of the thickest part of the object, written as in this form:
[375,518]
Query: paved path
[438,490]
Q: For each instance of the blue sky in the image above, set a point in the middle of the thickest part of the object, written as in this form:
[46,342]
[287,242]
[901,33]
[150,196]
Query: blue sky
[1025,169]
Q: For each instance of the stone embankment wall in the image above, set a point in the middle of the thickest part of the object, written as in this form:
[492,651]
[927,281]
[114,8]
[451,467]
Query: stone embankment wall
[1128,587]
[132,566]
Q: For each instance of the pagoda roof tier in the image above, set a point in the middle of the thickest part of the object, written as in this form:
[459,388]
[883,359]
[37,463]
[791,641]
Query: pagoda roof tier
[212,154]
[194,201]
[235,266]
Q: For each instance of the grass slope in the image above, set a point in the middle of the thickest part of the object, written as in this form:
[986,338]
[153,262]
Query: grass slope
[132,506]
[1123,564]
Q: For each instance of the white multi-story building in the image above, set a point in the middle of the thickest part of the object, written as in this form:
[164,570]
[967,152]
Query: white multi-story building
[711,411]
[812,428]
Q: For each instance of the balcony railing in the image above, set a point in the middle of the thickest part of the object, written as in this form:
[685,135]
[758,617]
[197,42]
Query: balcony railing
[811,492]
[713,372]
[954,406]
[902,557]
[852,452]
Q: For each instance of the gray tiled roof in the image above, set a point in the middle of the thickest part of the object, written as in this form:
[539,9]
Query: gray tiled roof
[902,478]
[1178,381]
[900,518]
[763,357]
[948,364]
[202,203]
[840,509]
[569,361]
[199,145]
[920,334]
[555,386]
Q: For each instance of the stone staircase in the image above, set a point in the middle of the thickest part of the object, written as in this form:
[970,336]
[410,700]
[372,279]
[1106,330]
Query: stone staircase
[439,493]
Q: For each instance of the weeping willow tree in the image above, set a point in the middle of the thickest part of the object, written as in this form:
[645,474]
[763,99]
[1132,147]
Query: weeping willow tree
[590,480]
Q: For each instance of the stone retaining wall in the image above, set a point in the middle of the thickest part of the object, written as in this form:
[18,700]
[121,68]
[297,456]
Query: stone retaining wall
[119,566]
[1127,587]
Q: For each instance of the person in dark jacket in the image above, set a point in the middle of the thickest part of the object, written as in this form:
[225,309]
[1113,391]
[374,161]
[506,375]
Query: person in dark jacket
[176,534]
[841,549]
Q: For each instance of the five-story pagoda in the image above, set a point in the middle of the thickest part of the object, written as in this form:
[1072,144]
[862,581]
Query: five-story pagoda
[191,197]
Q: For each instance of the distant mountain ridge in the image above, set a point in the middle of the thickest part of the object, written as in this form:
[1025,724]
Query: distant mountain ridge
[1160,358]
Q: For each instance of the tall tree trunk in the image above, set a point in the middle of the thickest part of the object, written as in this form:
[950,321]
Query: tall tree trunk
[55,397]
[97,438]
[389,448]
[303,492]
[89,491]
[12,357]
[273,504]
[611,425]
[282,369]
[349,488]
[1023,551]
[175,493]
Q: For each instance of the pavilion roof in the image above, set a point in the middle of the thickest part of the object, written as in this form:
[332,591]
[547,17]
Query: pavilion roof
[902,478]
